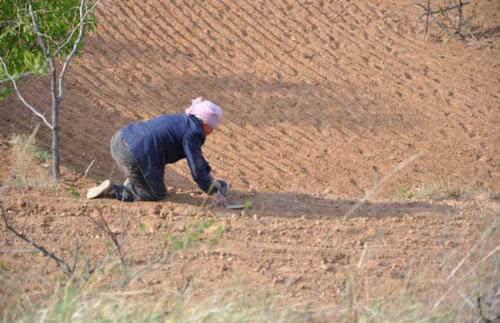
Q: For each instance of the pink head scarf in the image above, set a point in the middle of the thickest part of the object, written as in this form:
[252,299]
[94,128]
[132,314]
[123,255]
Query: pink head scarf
[207,111]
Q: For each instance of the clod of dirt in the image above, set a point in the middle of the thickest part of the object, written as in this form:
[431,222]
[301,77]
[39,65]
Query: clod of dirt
[21,203]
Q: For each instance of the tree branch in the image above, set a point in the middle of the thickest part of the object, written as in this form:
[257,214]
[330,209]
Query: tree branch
[103,225]
[76,255]
[461,5]
[29,106]
[448,24]
[82,21]
[39,37]
[84,11]
[442,10]
[428,20]
[19,76]
[91,269]
[60,262]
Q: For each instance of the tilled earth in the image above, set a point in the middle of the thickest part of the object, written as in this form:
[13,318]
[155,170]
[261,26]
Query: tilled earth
[326,104]
[299,246]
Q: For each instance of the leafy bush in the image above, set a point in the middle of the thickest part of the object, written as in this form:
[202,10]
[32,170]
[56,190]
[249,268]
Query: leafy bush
[18,42]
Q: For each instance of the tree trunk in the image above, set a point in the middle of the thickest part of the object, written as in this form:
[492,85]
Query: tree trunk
[460,18]
[56,158]
[56,101]
[427,22]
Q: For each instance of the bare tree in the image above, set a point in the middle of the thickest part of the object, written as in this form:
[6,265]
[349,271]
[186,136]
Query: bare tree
[50,55]
[452,25]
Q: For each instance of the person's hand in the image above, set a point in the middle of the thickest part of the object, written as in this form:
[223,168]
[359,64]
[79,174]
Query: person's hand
[219,200]
[221,187]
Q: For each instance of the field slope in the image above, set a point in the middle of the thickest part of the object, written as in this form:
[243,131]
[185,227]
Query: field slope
[323,100]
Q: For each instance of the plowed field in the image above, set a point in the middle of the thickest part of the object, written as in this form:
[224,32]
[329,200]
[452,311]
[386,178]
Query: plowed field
[327,104]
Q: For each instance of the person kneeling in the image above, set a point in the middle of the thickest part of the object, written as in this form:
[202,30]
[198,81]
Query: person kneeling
[142,149]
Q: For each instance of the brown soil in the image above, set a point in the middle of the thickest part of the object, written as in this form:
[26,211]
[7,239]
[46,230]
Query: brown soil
[322,101]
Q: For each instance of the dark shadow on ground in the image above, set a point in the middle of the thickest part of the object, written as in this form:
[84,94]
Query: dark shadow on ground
[88,121]
[481,34]
[291,205]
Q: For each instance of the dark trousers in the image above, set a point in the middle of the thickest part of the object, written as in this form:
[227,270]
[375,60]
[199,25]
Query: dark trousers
[135,187]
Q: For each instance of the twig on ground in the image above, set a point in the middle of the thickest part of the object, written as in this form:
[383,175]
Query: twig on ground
[88,168]
[365,246]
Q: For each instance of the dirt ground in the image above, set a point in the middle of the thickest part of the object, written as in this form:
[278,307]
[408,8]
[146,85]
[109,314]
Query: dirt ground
[327,104]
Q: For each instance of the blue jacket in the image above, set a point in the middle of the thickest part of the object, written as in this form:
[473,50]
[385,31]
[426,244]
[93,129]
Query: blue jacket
[165,140]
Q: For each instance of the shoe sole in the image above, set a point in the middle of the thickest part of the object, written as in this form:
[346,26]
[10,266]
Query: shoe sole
[100,190]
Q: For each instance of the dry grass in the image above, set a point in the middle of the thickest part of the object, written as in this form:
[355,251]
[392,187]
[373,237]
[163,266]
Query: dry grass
[30,165]
[467,292]
[434,191]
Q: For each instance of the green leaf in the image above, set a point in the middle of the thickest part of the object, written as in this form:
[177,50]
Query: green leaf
[248,204]
[4,92]
[18,40]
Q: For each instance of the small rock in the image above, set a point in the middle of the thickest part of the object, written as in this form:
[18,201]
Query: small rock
[308,53]
[21,203]
[329,268]
[154,282]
